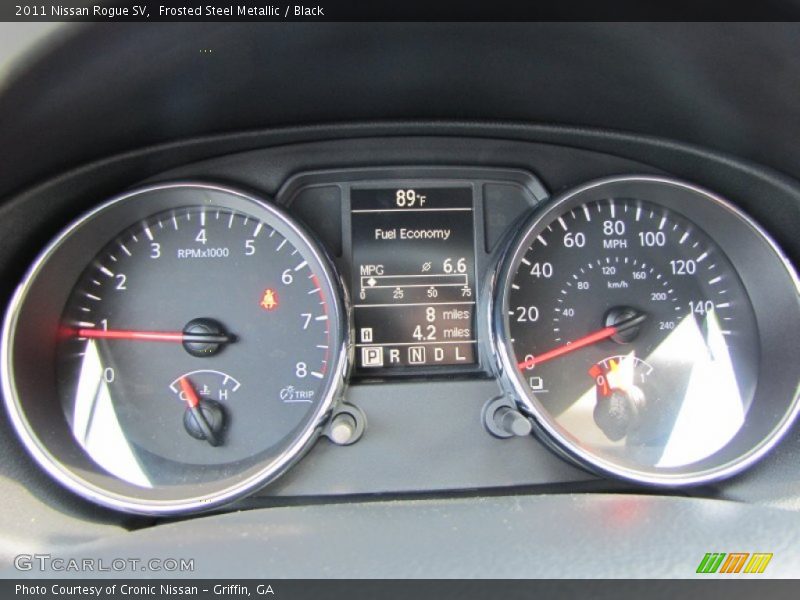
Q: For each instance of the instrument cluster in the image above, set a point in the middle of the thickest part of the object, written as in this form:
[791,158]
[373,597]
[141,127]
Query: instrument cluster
[186,342]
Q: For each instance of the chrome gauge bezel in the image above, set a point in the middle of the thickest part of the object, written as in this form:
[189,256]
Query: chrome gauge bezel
[103,222]
[755,256]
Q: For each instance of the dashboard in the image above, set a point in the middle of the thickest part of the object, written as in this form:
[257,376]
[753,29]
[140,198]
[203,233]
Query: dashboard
[307,330]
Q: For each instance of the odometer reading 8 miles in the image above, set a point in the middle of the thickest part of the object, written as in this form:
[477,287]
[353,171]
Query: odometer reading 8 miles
[630,328]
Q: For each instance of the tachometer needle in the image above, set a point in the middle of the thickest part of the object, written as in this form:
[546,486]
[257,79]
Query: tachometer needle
[193,402]
[154,336]
[582,342]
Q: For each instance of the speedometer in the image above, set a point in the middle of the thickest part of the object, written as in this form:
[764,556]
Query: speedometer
[174,349]
[637,323]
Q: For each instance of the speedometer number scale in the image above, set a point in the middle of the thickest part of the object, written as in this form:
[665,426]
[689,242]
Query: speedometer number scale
[628,334]
[663,310]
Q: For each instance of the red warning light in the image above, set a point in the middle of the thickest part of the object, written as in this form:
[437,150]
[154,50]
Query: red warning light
[269,301]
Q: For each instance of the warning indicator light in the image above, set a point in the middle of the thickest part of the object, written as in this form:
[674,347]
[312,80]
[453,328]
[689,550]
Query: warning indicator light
[269,301]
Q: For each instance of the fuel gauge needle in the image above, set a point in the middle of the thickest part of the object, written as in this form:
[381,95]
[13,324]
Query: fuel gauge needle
[582,342]
[193,402]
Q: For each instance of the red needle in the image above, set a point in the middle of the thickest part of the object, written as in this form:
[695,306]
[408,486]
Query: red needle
[126,334]
[193,401]
[188,391]
[152,336]
[587,340]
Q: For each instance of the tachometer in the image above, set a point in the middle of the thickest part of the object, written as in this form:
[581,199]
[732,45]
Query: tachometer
[183,362]
[650,330]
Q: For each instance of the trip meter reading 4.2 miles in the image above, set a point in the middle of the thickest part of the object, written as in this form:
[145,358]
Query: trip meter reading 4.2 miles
[413,277]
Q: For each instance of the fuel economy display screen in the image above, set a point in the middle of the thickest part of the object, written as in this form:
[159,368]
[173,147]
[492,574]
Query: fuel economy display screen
[413,277]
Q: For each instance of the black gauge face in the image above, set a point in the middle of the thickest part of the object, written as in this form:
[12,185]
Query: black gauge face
[199,349]
[125,394]
[645,325]
[632,328]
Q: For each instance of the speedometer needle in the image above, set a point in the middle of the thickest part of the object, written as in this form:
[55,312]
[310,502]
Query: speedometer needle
[153,336]
[582,342]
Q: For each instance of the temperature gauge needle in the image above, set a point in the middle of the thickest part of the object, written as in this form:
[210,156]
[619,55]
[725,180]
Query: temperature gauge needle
[582,342]
[153,336]
[193,402]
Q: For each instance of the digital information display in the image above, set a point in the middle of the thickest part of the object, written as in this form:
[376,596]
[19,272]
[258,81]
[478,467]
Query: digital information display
[413,253]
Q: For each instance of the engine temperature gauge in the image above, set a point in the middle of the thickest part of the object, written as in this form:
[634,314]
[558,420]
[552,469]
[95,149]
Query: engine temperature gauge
[209,384]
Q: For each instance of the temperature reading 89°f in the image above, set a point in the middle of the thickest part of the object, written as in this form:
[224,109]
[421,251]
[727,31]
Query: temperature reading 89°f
[413,277]
[409,198]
